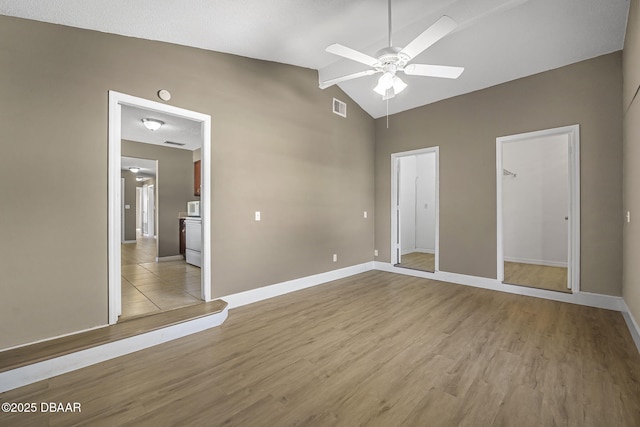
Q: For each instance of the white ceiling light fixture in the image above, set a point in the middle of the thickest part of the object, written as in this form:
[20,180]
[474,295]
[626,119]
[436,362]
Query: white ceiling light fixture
[134,169]
[152,124]
[139,178]
[389,85]
[392,59]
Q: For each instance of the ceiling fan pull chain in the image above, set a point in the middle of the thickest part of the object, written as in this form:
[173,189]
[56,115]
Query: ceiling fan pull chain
[387,113]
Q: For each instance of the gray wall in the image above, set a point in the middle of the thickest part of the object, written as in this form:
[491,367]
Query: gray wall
[276,147]
[466,127]
[130,185]
[174,189]
[631,124]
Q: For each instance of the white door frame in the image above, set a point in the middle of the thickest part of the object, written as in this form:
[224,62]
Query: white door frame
[395,238]
[116,100]
[151,211]
[573,132]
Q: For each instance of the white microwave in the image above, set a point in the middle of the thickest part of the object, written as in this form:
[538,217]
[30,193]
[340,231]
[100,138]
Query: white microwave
[193,208]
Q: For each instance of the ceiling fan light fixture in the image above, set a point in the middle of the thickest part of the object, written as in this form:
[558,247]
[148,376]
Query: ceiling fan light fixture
[398,85]
[384,82]
[152,124]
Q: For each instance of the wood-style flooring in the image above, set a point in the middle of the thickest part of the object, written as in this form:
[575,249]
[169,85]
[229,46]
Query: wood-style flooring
[150,287]
[418,261]
[536,276]
[376,349]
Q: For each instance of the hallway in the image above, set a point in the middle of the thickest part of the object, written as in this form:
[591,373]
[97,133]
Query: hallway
[149,286]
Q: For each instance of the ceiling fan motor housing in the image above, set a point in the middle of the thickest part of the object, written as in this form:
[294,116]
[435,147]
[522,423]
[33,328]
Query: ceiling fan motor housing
[391,57]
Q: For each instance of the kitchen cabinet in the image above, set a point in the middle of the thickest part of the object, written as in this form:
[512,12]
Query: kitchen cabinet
[196,178]
[183,237]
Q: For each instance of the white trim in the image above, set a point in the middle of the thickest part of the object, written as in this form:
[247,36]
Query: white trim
[425,251]
[418,250]
[169,258]
[394,197]
[581,298]
[634,329]
[116,99]
[536,262]
[573,264]
[129,242]
[19,377]
[270,291]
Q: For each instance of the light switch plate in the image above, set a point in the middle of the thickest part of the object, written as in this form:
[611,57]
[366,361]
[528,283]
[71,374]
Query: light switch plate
[257,215]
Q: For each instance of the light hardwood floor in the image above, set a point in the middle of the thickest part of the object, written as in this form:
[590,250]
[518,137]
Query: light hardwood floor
[376,349]
[536,276]
[150,287]
[418,261]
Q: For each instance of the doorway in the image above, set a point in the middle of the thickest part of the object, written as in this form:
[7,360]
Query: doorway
[116,102]
[538,209]
[415,209]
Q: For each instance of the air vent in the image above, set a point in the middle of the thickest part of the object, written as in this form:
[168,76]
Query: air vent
[179,144]
[339,107]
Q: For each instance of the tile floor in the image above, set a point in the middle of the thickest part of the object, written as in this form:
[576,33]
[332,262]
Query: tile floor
[149,286]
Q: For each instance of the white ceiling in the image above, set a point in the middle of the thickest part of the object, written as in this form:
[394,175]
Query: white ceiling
[175,129]
[147,167]
[496,41]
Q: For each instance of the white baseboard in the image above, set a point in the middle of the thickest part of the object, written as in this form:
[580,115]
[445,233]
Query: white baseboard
[129,242]
[70,362]
[632,325]
[582,298]
[266,292]
[536,262]
[169,258]
[419,250]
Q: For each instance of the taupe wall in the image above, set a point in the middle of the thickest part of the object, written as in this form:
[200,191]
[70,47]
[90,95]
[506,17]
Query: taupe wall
[276,147]
[631,195]
[174,189]
[466,127]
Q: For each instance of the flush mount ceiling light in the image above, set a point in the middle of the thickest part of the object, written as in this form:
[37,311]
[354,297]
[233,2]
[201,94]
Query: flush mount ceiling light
[139,178]
[134,169]
[152,124]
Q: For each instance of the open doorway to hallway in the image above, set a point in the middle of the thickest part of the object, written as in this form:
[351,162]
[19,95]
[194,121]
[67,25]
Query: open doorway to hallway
[148,271]
[147,285]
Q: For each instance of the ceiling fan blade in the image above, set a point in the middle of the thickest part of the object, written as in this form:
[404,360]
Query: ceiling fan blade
[438,30]
[354,55]
[325,84]
[443,71]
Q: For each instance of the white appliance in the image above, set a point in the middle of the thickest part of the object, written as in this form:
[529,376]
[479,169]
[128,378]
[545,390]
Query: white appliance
[193,208]
[193,252]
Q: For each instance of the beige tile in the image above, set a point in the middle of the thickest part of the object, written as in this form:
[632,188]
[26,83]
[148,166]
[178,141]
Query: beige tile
[138,308]
[166,300]
[159,286]
[146,280]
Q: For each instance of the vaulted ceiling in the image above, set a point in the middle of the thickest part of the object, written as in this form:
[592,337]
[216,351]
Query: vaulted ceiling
[495,41]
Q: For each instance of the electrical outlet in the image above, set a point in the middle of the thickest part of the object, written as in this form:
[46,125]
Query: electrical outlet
[375,252]
[335,257]
[257,215]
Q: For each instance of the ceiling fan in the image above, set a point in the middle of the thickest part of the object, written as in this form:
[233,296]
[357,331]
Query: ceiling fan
[391,60]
